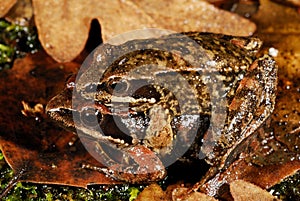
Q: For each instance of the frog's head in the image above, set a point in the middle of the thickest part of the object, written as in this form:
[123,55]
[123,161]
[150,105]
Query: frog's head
[132,90]
[132,103]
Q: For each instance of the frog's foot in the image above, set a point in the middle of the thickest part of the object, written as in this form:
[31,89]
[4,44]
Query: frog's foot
[138,164]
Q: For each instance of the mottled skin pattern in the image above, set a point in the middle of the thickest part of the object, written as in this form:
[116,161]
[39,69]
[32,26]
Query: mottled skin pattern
[213,65]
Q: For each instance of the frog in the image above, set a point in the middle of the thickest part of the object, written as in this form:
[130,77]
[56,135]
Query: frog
[150,101]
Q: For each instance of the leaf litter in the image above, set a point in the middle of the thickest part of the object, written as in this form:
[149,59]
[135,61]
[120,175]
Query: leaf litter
[37,152]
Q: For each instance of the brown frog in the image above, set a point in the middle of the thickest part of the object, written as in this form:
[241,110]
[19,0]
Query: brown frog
[147,102]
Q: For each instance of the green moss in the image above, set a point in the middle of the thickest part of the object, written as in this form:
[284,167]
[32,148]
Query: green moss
[15,42]
[288,189]
[133,192]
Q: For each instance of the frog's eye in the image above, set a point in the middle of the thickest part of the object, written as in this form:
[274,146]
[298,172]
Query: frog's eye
[119,87]
[90,117]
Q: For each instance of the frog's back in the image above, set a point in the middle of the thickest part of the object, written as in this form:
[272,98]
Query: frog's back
[188,50]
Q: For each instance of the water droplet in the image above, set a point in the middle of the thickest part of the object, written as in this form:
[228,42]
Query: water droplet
[264,142]
[273,52]
[99,58]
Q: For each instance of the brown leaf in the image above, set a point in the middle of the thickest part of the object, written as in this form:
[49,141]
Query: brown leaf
[182,194]
[189,15]
[64,34]
[32,143]
[279,26]
[242,190]
[5,6]
[277,20]
[152,192]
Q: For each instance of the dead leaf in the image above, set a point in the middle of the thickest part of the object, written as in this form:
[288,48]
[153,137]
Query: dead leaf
[242,191]
[5,6]
[31,143]
[196,16]
[64,34]
[279,27]
[152,192]
[182,194]
[275,19]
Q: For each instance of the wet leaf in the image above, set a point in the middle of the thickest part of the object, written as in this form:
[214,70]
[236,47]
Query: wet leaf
[182,194]
[63,34]
[196,16]
[30,143]
[242,191]
[152,192]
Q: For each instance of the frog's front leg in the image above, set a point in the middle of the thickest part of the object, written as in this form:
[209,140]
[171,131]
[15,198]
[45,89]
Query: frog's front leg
[132,164]
[252,104]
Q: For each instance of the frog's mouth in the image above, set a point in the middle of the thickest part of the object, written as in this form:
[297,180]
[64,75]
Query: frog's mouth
[109,124]
[64,117]
[59,109]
